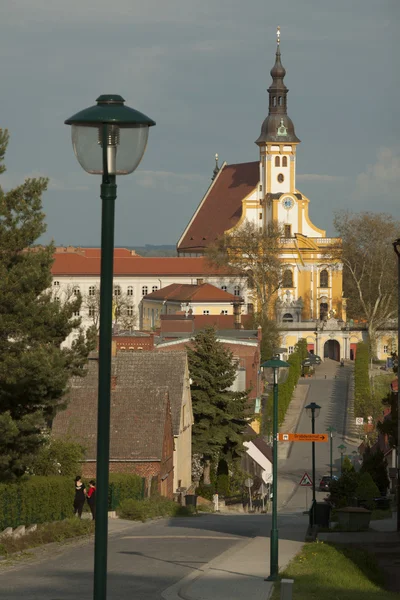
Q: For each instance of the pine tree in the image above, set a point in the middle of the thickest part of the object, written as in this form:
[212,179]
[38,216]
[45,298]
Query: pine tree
[34,369]
[219,413]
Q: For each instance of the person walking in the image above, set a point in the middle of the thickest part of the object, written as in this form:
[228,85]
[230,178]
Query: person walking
[91,498]
[80,495]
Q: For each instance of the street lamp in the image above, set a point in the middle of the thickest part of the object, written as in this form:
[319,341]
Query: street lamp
[275,371]
[312,411]
[342,448]
[109,139]
[396,246]
[332,432]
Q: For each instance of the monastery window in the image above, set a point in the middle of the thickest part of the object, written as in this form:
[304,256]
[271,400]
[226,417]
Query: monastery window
[224,312]
[385,349]
[277,161]
[236,290]
[291,349]
[76,290]
[56,299]
[154,288]
[129,290]
[284,161]
[145,290]
[77,313]
[206,312]
[92,290]
[199,281]
[129,310]
[260,216]
[287,280]
[56,283]
[117,311]
[288,231]
[117,290]
[224,288]
[280,178]
[324,279]
[250,309]
[92,311]
[287,318]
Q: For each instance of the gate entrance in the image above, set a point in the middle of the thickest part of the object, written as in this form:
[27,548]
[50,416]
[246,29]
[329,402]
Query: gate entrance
[332,350]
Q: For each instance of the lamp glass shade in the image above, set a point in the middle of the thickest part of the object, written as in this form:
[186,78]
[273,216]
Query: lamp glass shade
[126,145]
[312,410]
[275,374]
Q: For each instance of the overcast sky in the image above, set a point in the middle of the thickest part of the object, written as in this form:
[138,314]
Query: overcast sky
[200,69]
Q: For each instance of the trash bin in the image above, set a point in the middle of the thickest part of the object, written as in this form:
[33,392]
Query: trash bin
[322,513]
[191,500]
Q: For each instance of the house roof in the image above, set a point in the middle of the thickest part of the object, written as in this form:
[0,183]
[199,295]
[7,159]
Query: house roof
[221,207]
[258,442]
[180,292]
[137,422]
[72,263]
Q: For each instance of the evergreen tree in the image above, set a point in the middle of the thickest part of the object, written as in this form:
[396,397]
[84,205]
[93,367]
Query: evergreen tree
[34,369]
[375,464]
[219,413]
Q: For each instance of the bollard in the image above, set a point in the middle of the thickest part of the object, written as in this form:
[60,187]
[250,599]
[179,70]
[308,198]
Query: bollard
[287,589]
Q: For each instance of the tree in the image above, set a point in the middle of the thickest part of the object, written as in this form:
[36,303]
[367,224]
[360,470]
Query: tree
[124,314]
[369,267]
[374,463]
[219,413]
[253,256]
[57,457]
[34,368]
[389,426]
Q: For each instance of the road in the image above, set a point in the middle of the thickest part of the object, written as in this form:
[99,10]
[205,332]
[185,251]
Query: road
[144,558]
[329,389]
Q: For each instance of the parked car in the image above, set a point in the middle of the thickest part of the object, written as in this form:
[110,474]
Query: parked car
[326,482]
[314,359]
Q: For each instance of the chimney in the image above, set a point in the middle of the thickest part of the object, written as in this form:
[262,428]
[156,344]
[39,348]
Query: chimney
[237,316]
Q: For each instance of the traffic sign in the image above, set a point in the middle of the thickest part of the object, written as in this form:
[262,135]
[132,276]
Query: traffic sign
[359,421]
[248,482]
[306,481]
[302,437]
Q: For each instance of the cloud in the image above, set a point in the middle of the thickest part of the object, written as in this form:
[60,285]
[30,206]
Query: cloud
[381,178]
[167,181]
[320,178]
[10,181]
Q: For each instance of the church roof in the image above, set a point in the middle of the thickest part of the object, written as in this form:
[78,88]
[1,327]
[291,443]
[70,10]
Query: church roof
[221,207]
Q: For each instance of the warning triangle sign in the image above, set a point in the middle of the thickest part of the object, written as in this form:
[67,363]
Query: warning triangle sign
[306,480]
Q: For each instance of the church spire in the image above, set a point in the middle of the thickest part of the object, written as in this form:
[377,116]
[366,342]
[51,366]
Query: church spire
[216,168]
[277,126]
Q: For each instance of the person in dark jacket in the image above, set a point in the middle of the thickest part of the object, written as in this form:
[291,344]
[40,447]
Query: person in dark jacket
[91,498]
[80,495]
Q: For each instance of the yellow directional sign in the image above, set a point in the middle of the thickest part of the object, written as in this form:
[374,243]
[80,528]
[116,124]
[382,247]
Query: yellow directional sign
[302,437]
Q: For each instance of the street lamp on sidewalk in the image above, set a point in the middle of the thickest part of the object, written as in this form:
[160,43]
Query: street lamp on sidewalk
[332,432]
[109,139]
[312,411]
[342,448]
[275,371]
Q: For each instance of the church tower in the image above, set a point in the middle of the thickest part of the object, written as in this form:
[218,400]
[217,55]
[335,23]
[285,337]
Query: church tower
[277,143]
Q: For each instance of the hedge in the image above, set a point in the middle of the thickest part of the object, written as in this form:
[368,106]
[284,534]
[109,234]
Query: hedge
[285,390]
[362,389]
[47,499]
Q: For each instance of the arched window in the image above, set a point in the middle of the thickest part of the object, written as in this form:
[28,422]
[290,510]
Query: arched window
[154,288]
[273,100]
[117,290]
[56,283]
[145,290]
[277,161]
[323,310]
[324,279]
[236,290]
[76,290]
[92,290]
[287,280]
[287,318]
[284,161]
[280,101]
[129,291]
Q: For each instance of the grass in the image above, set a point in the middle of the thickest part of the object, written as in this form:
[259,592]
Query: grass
[47,533]
[333,572]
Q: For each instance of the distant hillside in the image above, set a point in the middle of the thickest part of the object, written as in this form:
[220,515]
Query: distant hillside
[150,250]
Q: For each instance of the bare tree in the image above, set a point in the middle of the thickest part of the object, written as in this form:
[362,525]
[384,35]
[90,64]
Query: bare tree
[124,313]
[369,267]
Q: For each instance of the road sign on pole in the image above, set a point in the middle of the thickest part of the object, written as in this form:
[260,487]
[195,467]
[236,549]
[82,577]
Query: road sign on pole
[306,481]
[359,421]
[302,437]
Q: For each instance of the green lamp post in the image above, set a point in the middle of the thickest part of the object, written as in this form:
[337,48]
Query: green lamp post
[332,432]
[275,371]
[312,411]
[342,448]
[109,139]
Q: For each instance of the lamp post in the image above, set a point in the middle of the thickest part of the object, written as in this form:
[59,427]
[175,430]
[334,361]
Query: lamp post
[312,411]
[275,371]
[342,448]
[109,139]
[396,246]
[332,431]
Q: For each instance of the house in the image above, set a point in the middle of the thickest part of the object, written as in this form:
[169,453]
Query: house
[199,299]
[257,460]
[144,415]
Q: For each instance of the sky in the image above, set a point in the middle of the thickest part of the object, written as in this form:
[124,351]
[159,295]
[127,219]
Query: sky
[200,69]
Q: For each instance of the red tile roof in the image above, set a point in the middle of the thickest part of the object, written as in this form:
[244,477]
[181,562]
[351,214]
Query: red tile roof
[221,207]
[71,263]
[94,252]
[192,293]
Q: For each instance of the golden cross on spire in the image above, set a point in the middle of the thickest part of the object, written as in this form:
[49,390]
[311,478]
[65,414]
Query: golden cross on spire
[278,35]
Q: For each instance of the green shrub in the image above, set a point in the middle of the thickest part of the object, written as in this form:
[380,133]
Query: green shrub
[366,491]
[140,510]
[362,389]
[343,491]
[205,491]
[223,486]
[124,487]
[205,508]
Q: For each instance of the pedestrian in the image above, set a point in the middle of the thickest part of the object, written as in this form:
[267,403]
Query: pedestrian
[91,498]
[80,495]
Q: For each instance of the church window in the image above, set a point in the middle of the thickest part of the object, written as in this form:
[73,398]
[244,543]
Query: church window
[273,100]
[323,310]
[287,280]
[287,318]
[236,290]
[284,161]
[277,161]
[145,290]
[260,216]
[288,231]
[280,101]
[324,279]
[280,178]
